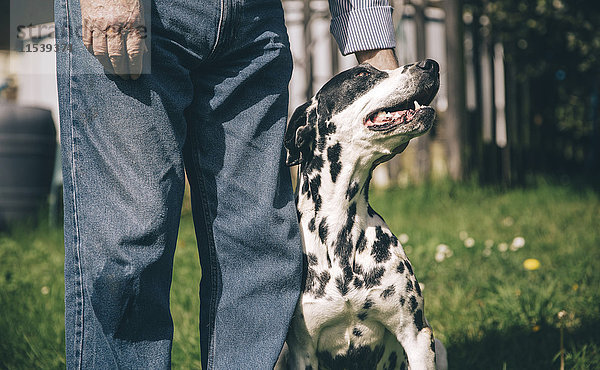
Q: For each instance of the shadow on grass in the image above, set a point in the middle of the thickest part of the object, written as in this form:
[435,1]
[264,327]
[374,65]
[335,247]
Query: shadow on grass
[518,348]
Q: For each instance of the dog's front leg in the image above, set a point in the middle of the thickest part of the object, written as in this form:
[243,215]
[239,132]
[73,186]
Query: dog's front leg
[419,346]
[415,336]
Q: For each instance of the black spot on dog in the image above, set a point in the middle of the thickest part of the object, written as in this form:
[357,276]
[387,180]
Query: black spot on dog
[370,211]
[323,230]
[413,303]
[351,214]
[352,190]
[390,290]
[354,359]
[312,116]
[373,278]
[323,279]
[368,304]
[402,301]
[315,184]
[315,164]
[333,155]
[343,247]
[341,285]
[356,332]
[323,114]
[342,282]
[418,288]
[362,315]
[311,259]
[305,183]
[344,88]
[409,286]
[317,203]
[400,267]
[361,242]
[358,283]
[418,320]
[309,280]
[409,267]
[391,365]
[311,225]
[381,247]
[331,128]
[348,274]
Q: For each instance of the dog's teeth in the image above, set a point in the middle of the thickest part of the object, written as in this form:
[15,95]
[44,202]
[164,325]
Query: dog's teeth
[417,105]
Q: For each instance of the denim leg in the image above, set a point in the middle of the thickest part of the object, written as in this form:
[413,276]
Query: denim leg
[217,95]
[122,147]
[243,206]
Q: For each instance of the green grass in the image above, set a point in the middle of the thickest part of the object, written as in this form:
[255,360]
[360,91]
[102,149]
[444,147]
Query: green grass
[490,311]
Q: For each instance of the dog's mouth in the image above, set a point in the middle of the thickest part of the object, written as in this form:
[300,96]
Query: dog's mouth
[392,117]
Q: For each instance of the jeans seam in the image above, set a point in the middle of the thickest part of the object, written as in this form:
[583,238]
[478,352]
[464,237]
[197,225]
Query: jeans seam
[78,335]
[219,29]
[212,259]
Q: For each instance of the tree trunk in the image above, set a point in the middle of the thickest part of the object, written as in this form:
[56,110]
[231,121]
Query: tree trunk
[455,76]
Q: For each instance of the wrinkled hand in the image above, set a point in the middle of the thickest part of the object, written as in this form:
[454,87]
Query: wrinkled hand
[114,31]
[380,58]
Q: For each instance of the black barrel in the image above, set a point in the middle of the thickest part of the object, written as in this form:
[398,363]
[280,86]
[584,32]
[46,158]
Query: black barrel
[27,151]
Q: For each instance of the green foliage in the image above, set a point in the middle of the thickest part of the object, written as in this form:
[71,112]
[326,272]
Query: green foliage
[31,300]
[489,311]
[481,301]
[552,47]
[547,33]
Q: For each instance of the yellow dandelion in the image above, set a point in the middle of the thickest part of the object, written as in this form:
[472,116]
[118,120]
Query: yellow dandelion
[531,264]
[575,287]
[535,329]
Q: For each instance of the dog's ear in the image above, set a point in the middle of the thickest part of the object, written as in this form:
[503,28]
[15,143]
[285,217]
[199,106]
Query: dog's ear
[299,136]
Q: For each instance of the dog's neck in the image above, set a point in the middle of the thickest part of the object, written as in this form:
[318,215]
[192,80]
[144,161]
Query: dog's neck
[333,207]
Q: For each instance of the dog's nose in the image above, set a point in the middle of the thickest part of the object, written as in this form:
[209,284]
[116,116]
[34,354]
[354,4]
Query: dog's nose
[429,65]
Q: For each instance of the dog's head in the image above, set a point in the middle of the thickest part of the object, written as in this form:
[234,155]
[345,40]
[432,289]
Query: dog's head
[373,112]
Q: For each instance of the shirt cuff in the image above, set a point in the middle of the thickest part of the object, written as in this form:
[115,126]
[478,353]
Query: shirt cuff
[364,29]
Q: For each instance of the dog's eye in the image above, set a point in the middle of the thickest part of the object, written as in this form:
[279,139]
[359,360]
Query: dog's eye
[361,74]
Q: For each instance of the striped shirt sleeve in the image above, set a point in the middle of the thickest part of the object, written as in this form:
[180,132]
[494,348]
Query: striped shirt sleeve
[359,25]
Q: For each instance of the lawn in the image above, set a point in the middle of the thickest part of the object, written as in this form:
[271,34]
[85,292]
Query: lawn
[468,246]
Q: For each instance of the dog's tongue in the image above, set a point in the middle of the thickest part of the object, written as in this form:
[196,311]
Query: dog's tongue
[397,117]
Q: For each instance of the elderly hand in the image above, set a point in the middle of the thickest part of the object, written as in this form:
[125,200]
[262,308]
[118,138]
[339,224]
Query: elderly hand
[380,59]
[114,31]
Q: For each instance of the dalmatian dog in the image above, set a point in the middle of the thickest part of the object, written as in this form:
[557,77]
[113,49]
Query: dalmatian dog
[361,305]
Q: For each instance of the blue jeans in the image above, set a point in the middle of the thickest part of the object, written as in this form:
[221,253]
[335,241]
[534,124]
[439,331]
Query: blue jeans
[213,107]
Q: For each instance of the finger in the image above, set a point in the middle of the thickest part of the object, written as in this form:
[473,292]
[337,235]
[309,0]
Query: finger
[86,34]
[135,51]
[100,50]
[116,52]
